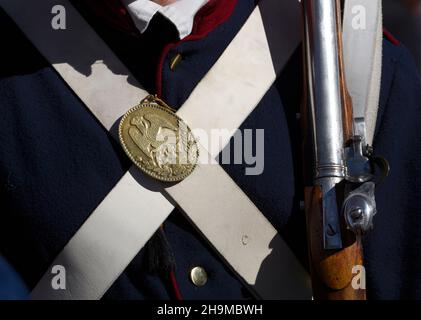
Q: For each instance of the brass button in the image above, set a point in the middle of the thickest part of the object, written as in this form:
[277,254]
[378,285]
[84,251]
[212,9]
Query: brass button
[198,276]
[175,61]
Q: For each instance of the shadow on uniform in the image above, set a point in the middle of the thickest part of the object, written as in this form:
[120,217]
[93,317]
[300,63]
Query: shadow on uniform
[294,282]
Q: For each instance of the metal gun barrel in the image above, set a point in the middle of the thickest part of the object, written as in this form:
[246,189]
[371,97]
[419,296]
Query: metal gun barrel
[324,86]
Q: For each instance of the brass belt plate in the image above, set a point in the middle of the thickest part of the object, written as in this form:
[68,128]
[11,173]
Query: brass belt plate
[158,141]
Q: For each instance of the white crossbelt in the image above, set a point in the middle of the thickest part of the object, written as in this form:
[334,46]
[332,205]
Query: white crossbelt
[363,39]
[121,225]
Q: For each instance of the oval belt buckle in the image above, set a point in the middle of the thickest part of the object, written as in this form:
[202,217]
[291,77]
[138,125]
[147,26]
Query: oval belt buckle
[158,141]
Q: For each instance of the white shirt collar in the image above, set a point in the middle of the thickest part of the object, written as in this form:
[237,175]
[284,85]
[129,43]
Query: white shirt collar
[181,13]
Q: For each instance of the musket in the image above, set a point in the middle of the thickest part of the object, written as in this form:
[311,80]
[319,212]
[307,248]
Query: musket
[338,171]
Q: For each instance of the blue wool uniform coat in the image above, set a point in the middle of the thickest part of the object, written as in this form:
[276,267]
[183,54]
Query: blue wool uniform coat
[11,285]
[57,164]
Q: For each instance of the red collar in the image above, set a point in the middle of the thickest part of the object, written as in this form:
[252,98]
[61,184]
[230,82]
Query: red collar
[207,19]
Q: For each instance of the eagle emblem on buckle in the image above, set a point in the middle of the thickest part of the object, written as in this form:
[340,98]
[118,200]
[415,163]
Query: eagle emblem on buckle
[158,141]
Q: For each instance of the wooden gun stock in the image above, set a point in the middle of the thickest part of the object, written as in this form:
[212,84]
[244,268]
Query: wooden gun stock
[331,271]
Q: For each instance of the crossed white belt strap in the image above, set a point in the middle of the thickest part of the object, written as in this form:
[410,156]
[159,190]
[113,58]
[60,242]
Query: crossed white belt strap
[363,39]
[121,225]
